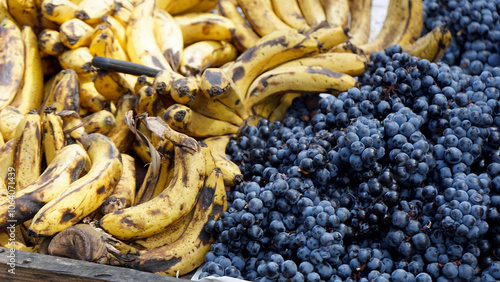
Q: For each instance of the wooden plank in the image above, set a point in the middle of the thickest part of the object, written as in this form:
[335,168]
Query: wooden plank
[38,267]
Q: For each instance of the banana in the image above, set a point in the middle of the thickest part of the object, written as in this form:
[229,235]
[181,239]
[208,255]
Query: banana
[59,11]
[75,33]
[2,141]
[231,173]
[6,159]
[86,194]
[289,11]
[207,53]
[148,101]
[17,244]
[107,45]
[166,150]
[192,123]
[184,89]
[414,25]
[66,93]
[124,194]
[188,251]
[49,42]
[59,174]
[265,107]
[168,35]
[127,4]
[336,11]
[175,201]
[216,84]
[53,140]
[112,85]
[305,79]
[91,11]
[141,150]
[269,51]
[49,87]
[90,98]
[121,134]
[78,59]
[101,122]
[122,15]
[11,60]
[72,126]
[328,35]
[117,28]
[203,6]
[204,26]
[141,42]
[348,63]
[163,4]
[24,12]
[262,17]
[178,7]
[44,22]
[359,27]
[163,81]
[27,150]
[313,11]
[9,119]
[285,102]
[432,45]
[141,81]
[243,35]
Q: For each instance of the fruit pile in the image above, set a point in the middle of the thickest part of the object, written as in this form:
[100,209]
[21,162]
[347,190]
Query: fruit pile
[184,138]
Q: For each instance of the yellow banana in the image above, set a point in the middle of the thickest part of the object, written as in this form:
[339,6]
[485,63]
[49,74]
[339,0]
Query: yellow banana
[127,4]
[313,11]
[262,17]
[91,11]
[72,126]
[11,60]
[59,174]
[141,42]
[101,122]
[27,150]
[163,4]
[207,53]
[168,35]
[6,159]
[174,202]
[44,22]
[166,150]
[231,173]
[432,45]
[124,194]
[86,194]
[203,6]
[2,141]
[90,98]
[66,93]
[141,150]
[216,84]
[75,33]
[244,36]
[184,89]
[121,134]
[289,11]
[49,87]
[53,140]
[192,123]
[79,59]
[285,102]
[59,11]
[179,7]
[204,26]
[122,15]
[359,28]
[17,243]
[24,12]
[269,51]
[305,79]
[348,63]
[187,252]
[148,101]
[328,35]
[162,82]
[112,85]
[107,45]
[49,41]
[9,119]
[414,26]
[141,81]
[117,28]
[336,11]
[265,107]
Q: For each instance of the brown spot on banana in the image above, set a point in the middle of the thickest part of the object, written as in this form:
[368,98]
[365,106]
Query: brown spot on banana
[67,216]
[101,190]
[179,116]
[238,73]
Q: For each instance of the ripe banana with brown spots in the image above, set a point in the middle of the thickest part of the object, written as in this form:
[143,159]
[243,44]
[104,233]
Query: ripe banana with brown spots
[75,33]
[11,60]
[204,26]
[261,16]
[244,36]
[432,45]
[231,173]
[123,195]
[53,139]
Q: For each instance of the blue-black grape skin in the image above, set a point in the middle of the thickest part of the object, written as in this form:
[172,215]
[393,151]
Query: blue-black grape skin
[395,180]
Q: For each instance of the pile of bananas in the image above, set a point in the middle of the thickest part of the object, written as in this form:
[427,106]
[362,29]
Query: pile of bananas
[75,138]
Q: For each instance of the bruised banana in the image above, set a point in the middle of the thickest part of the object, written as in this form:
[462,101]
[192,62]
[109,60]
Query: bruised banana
[49,42]
[432,45]
[270,51]
[262,17]
[175,201]
[63,170]
[91,11]
[90,98]
[99,122]
[6,159]
[107,45]
[59,11]
[86,194]
[207,53]
[204,26]
[168,35]
[11,60]
[348,63]
[116,28]
[305,79]
[53,140]
[289,12]
[192,123]
[313,11]
[121,134]
[148,101]
[244,36]
[184,89]
[166,151]
[231,173]
[123,195]
[79,59]
[280,110]
[112,85]
[72,126]
[65,95]
[75,33]
[188,251]
[359,28]
[336,11]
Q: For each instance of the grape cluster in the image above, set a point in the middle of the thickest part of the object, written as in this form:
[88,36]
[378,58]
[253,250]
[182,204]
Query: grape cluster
[395,180]
[475,27]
